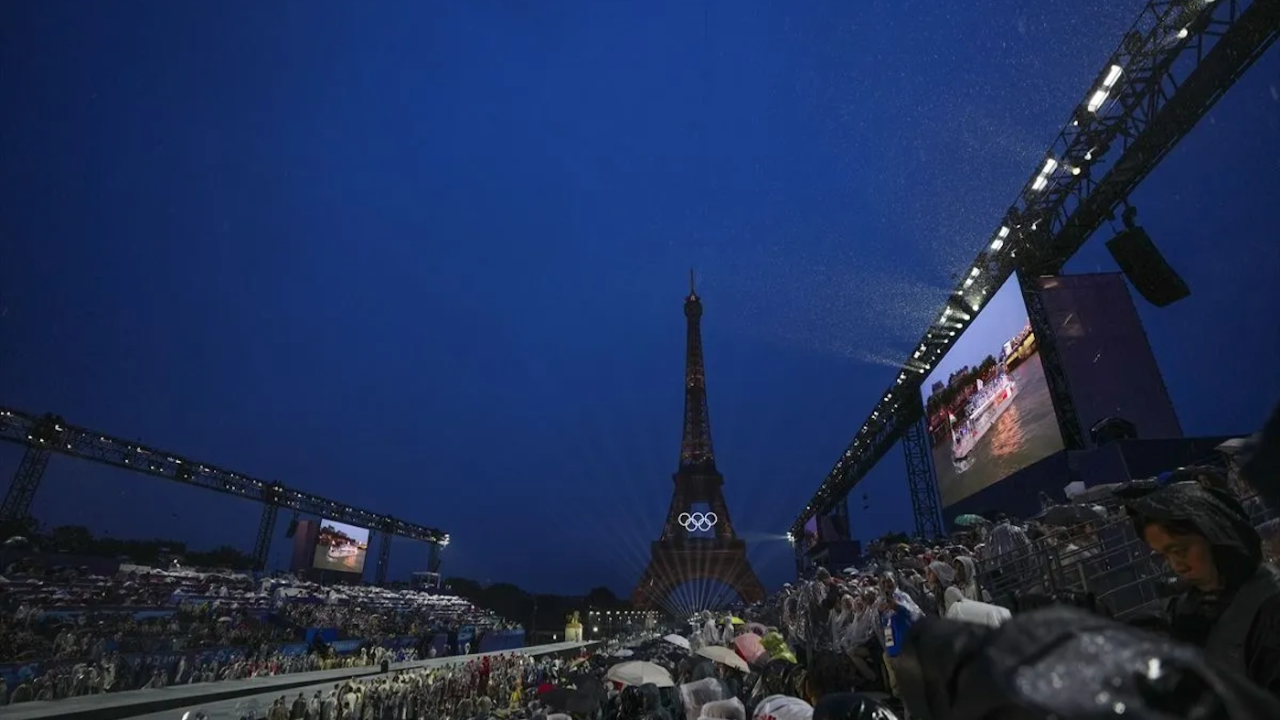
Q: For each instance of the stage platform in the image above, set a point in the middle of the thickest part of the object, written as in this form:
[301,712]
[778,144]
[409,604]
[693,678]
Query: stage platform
[231,699]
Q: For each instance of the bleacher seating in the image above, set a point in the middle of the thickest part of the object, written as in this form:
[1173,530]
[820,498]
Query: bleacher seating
[67,632]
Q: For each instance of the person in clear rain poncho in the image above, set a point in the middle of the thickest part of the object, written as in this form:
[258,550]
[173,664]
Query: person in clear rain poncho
[1231,607]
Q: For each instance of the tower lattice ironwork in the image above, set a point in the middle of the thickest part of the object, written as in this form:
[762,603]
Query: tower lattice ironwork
[683,553]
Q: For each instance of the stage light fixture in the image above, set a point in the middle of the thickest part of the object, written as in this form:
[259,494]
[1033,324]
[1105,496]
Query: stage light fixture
[1000,237]
[1042,180]
[1100,96]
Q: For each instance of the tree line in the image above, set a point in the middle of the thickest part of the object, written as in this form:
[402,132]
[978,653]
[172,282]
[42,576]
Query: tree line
[79,540]
[541,615]
[947,396]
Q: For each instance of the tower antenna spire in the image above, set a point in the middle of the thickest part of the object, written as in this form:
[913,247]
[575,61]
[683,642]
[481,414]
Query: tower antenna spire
[692,289]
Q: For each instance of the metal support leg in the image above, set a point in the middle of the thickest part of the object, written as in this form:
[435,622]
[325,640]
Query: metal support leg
[844,526]
[433,557]
[266,528]
[920,480]
[384,558]
[26,480]
[1055,375]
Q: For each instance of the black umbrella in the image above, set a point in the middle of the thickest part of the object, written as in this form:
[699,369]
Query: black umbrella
[1068,515]
[589,686]
[573,702]
[1135,489]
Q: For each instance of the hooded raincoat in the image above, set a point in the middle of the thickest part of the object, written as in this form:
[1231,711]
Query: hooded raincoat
[1239,625]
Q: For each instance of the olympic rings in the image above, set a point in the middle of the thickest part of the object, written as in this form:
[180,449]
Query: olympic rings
[700,522]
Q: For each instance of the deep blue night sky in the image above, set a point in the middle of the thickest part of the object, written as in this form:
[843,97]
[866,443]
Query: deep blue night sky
[428,257]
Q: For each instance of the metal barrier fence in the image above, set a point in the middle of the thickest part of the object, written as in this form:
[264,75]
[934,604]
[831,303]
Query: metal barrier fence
[1105,558]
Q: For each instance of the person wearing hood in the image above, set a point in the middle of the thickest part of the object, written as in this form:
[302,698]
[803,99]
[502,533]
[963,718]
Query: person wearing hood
[727,633]
[710,633]
[1232,606]
[938,577]
[966,578]
[782,707]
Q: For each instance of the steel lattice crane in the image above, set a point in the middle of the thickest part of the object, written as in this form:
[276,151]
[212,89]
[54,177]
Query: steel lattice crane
[45,435]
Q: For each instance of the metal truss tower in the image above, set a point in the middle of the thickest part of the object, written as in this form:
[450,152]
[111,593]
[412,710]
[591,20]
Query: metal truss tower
[1055,374]
[920,480]
[266,531]
[26,480]
[40,436]
[384,558]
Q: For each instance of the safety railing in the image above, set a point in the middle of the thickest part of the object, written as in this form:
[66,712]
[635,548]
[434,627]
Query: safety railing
[1105,558]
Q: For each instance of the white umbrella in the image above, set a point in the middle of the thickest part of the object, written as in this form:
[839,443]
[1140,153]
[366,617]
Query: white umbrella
[639,672]
[677,641]
[724,656]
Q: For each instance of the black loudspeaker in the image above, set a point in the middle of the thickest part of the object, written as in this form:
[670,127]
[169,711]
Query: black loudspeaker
[292,529]
[1146,268]
[1112,429]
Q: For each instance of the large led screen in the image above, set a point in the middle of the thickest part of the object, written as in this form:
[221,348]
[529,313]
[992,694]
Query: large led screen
[987,403]
[340,547]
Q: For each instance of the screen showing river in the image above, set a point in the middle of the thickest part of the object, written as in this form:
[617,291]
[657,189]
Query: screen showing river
[341,547]
[987,405]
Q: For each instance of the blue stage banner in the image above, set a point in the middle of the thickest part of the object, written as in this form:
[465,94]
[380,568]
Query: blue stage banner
[328,635]
[294,649]
[343,647]
[138,614]
[466,634]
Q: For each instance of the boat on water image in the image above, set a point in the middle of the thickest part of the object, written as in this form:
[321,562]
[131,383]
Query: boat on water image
[342,552]
[984,409]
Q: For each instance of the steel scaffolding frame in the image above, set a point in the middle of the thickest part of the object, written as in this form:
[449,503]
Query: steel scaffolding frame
[48,434]
[1177,60]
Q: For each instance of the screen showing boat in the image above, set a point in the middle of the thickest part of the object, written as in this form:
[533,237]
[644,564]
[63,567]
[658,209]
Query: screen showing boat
[987,404]
[340,547]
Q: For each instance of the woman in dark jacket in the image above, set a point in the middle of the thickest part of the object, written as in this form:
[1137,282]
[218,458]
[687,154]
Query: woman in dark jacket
[1232,606]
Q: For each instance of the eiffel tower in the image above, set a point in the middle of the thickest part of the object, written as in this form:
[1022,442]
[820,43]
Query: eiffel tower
[687,550]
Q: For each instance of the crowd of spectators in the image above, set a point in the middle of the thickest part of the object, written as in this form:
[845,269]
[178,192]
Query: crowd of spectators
[371,613]
[66,632]
[1090,553]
